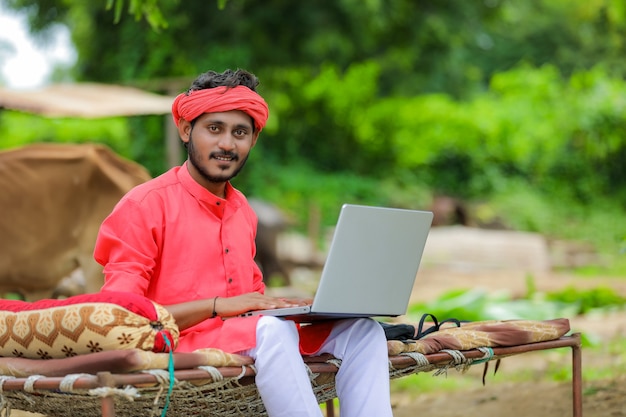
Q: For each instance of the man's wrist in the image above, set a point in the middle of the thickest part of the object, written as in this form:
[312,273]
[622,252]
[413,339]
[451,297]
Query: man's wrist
[214,308]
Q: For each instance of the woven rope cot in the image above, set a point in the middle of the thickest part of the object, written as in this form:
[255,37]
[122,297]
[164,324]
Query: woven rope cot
[229,391]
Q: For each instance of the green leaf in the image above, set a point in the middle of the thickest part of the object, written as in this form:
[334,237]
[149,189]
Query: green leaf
[119,6]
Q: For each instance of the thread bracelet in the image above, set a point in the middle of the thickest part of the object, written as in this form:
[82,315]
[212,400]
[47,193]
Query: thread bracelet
[214,311]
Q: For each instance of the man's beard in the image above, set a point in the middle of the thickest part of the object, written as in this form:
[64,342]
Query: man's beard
[196,160]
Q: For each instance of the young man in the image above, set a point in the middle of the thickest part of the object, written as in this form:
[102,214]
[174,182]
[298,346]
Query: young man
[186,240]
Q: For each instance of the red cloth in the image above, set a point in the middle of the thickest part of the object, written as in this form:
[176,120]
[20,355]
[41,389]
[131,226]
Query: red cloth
[194,103]
[135,303]
[313,335]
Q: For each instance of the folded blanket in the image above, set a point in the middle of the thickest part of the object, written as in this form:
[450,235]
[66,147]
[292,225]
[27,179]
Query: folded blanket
[83,324]
[490,333]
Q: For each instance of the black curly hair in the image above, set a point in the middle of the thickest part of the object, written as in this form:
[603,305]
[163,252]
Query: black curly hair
[228,78]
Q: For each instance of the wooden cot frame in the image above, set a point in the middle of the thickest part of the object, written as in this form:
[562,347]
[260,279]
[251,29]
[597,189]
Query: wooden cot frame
[318,365]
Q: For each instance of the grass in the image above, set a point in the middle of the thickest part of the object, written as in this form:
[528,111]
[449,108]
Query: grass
[478,304]
[615,268]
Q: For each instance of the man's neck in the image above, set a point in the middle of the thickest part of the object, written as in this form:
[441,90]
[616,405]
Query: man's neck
[217,188]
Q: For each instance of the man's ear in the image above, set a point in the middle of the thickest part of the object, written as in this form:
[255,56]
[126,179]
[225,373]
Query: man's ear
[184,130]
[255,136]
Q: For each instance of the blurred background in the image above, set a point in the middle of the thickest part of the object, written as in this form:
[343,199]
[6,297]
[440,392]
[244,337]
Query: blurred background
[506,118]
[513,109]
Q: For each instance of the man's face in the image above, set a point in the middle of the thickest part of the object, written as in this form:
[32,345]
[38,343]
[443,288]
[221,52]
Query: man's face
[218,146]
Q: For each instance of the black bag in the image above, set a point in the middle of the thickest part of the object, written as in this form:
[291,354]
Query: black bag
[407,332]
[398,331]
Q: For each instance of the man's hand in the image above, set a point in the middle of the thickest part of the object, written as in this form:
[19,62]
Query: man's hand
[234,306]
[193,312]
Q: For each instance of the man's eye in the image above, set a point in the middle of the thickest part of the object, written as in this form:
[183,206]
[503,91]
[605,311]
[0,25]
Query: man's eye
[240,132]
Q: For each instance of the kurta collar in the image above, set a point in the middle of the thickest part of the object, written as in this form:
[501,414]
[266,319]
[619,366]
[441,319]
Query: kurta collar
[207,198]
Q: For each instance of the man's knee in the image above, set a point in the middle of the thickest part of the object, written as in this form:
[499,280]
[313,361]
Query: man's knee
[273,327]
[369,327]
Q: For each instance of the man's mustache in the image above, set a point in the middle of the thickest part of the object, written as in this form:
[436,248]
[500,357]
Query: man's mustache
[227,155]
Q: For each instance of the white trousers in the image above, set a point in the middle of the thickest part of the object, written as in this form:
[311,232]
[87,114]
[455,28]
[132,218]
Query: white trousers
[362,382]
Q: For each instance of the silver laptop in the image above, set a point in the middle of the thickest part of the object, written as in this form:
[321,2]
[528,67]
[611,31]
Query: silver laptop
[371,266]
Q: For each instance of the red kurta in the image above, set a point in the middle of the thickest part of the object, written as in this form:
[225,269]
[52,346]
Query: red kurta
[173,241]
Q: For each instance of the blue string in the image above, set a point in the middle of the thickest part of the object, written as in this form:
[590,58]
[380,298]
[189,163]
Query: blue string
[489,356]
[170,368]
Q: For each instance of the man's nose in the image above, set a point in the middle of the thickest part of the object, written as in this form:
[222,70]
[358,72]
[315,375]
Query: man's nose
[227,142]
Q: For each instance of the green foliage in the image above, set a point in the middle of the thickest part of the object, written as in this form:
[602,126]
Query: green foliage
[453,47]
[478,305]
[532,124]
[12,296]
[588,300]
[519,105]
[302,192]
[146,142]
[18,129]
[139,8]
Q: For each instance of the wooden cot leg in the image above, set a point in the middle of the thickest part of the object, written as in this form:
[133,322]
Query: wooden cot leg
[330,408]
[577,380]
[108,407]
[107,403]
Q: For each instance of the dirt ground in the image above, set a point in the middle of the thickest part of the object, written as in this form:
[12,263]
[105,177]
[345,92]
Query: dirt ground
[540,396]
[537,399]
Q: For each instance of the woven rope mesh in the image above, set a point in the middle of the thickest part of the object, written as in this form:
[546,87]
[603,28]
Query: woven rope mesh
[229,397]
[225,398]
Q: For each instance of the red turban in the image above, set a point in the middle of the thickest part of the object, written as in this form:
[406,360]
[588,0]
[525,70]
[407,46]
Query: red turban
[190,105]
